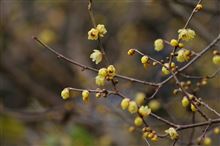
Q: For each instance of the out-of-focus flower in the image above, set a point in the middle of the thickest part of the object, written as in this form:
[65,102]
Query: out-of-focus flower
[216,59]
[47,36]
[207,141]
[139,98]
[158,45]
[186,34]
[172,132]
[144,59]
[93,34]
[96,56]
[154,105]
[217,130]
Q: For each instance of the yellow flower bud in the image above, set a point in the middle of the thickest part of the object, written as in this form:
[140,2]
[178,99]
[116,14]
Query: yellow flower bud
[172,132]
[154,138]
[217,130]
[174,42]
[96,56]
[207,141]
[144,111]
[93,34]
[198,7]
[131,52]
[101,30]
[144,59]
[125,103]
[111,71]
[186,34]
[193,108]
[158,44]
[185,101]
[138,121]
[180,45]
[103,72]
[85,95]
[139,98]
[65,94]
[216,59]
[100,80]
[154,105]
[132,108]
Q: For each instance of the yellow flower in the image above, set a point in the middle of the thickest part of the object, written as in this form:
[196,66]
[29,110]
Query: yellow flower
[158,45]
[144,59]
[125,103]
[103,72]
[217,130]
[93,34]
[172,132]
[186,34]
[207,141]
[154,105]
[100,80]
[144,111]
[193,108]
[85,95]
[65,94]
[216,59]
[96,56]
[131,52]
[165,71]
[111,71]
[174,43]
[183,55]
[132,108]
[101,29]
[138,121]
[185,101]
[139,98]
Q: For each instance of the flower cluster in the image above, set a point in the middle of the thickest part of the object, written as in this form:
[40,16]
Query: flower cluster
[166,68]
[105,74]
[149,133]
[97,32]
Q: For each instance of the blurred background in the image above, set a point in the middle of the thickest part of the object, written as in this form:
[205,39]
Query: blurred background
[32,112]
